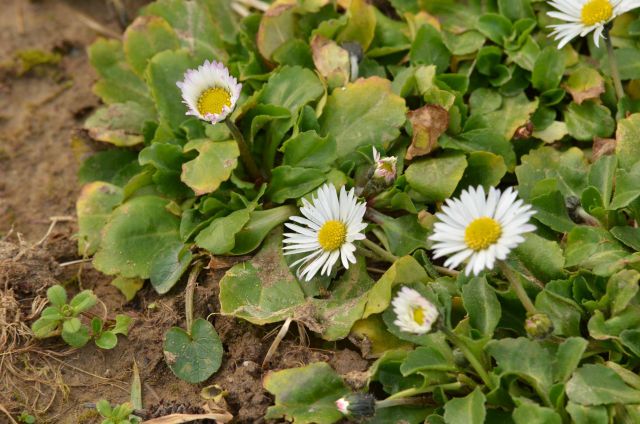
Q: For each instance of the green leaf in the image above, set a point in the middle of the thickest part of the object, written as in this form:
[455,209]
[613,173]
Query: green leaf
[108,166]
[483,168]
[405,270]
[46,325]
[484,140]
[293,182]
[568,357]
[516,9]
[291,87]
[83,301]
[214,164]
[163,71]
[262,290]
[544,258]
[104,408]
[588,120]
[57,295]
[552,212]
[128,286]
[309,150]
[135,233]
[365,112]
[631,340]
[277,26]
[595,249]
[525,359]
[530,413]
[585,83]
[78,338]
[462,44]
[71,325]
[495,27]
[145,37]
[601,176]
[482,305]
[628,60]
[196,355]
[627,187]
[118,84]
[595,384]
[627,135]
[260,224]
[404,234]
[123,322]
[427,358]
[106,340]
[581,414]
[563,312]
[548,69]
[515,112]
[193,26]
[436,178]
[466,410]
[93,207]
[305,395]
[360,26]
[429,49]
[628,235]
[219,236]
[168,265]
[120,124]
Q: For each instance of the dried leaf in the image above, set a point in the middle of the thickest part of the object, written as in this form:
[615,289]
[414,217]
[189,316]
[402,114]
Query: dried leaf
[185,418]
[429,122]
[331,60]
[603,147]
[584,84]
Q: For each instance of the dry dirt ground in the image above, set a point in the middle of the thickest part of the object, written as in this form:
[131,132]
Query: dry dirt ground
[40,113]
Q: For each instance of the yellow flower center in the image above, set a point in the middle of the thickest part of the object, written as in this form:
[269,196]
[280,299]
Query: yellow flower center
[332,235]
[482,233]
[418,315]
[213,100]
[596,11]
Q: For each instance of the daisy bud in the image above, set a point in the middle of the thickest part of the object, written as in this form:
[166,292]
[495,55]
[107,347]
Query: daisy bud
[385,168]
[414,313]
[357,405]
[538,326]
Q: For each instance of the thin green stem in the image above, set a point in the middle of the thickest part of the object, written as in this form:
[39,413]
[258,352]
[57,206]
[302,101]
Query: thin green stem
[379,251]
[517,288]
[388,403]
[245,153]
[613,64]
[418,391]
[471,357]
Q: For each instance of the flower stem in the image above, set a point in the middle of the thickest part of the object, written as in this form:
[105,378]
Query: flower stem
[415,391]
[188,295]
[517,288]
[613,64]
[471,357]
[379,251]
[245,152]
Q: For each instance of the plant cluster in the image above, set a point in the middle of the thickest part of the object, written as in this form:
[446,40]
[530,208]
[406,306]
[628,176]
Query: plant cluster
[385,138]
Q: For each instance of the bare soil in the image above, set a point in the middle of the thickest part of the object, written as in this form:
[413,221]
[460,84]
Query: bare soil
[40,151]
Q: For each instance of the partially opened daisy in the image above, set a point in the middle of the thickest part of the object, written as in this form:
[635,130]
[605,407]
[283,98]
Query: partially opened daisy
[480,229]
[326,232]
[585,16]
[210,92]
[414,313]
[385,168]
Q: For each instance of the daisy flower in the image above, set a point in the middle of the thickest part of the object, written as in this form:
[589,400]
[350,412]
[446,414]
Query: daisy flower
[480,229]
[385,168]
[585,16]
[414,313]
[326,232]
[210,92]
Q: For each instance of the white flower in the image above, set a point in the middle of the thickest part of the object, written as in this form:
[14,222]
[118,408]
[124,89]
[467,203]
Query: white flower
[328,229]
[585,16]
[480,229]
[385,168]
[414,313]
[210,92]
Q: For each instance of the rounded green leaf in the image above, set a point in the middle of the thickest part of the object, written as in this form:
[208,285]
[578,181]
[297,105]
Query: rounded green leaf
[219,236]
[145,37]
[78,338]
[93,207]
[588,120]
[466,410]
[57,295]
[71,325]
[106,340]
[83,301]
[196,355]
[435,179]
[168,265]
[135,233]
[213,165]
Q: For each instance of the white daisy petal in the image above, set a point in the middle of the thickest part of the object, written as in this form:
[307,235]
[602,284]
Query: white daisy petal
[501,221]
[331,223]
[586,16]
[414,313]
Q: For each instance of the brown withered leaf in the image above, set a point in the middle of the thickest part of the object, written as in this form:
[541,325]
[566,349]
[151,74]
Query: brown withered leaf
[185,418]
[331,60]
[584,83]
[603,147]
[429,122]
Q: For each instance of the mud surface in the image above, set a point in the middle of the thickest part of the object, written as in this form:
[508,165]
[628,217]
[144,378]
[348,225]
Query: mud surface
[40,150]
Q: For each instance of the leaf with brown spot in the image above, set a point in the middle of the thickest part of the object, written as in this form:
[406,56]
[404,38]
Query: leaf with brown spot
[331,60]
[603,147]
[429,122]
[214,164]
[584,84]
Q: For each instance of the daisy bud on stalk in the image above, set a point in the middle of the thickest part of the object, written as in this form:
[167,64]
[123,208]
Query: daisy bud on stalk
[538,326]
[357,405]
[381,175]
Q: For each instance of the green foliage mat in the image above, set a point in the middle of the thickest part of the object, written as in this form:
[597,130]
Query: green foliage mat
[464,93]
